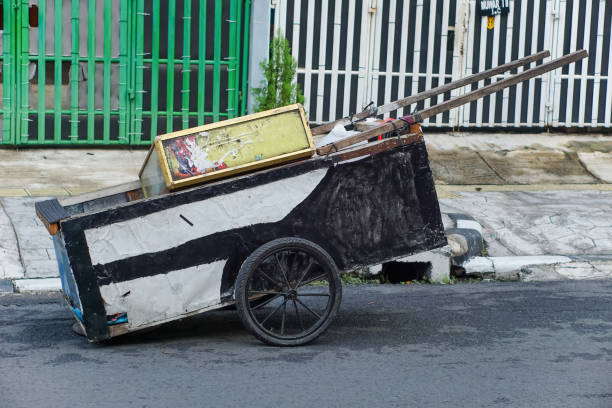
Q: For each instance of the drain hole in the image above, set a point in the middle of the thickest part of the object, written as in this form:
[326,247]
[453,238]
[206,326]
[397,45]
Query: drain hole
[398,272]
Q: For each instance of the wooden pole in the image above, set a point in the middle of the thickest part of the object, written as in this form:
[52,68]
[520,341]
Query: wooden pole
[389,107]
[418,117]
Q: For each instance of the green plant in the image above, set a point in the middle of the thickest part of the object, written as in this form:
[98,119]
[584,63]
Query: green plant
[354,278]
[279,87]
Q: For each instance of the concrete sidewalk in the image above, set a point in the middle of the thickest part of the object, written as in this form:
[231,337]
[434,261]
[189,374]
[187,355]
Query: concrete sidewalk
[532,194]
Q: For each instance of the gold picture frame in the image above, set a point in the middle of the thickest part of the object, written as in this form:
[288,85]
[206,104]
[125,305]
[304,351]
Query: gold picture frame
[225,148]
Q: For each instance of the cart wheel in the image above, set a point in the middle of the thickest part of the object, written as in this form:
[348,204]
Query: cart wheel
[288,291]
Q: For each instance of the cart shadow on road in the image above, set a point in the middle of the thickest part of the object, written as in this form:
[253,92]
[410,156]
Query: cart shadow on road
[371,318]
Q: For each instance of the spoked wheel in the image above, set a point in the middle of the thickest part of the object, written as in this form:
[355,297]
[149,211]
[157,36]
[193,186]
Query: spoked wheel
[288,292]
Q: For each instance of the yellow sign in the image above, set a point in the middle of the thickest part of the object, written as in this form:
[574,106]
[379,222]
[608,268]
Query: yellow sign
[490,22]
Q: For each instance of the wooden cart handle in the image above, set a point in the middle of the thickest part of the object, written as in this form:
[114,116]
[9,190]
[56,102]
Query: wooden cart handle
[418,117]
[389,107]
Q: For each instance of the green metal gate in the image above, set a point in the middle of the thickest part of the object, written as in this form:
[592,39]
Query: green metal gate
[119,72]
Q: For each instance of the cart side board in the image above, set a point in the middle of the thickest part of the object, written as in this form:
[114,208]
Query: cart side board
[144,254]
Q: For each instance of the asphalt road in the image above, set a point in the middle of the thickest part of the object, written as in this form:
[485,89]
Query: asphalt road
[466,345]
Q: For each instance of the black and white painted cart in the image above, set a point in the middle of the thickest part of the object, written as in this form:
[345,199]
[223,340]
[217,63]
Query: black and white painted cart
[273,243]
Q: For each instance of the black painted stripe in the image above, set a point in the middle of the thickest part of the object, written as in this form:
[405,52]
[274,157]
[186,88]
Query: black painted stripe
[356,49]
[424,37]
[399,27]
[327,99]
[316,34]
[312,98]
[569,8]
[329,49]
[289,22]
[411,38]
[384,39]
[342,62]
[380,98]
[303,34]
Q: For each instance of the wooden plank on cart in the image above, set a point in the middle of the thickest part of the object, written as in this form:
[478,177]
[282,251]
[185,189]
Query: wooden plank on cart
[389,107]
[418,117]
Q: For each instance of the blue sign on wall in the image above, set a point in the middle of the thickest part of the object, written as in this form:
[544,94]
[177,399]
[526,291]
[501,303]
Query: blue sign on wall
[493,7]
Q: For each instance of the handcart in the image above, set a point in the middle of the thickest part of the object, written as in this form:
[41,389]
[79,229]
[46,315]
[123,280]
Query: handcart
[273,241]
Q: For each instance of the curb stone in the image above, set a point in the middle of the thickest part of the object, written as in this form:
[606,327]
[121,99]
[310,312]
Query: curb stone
[465,238]
[38,285]
[6,286]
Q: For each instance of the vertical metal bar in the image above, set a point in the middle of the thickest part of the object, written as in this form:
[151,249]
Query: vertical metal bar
[238,12]
[597,72]
[170,66]
[442,55]
[482,55]
[403,56]
[390,23]
[321,63]
[430,57]
[463,116]
[231,67]
[91,69]
[509,47]
[365,65]
[494,61]
[155,69]
[74,74]
[24,64]
[534,47]
[245,57]
[186,65]
[202,62]
[7,77]
[586,44]
[107,71]
[123,71]
[42,65]
[550,38]
[139,68]
[217,61]
[308,62]
[57,85]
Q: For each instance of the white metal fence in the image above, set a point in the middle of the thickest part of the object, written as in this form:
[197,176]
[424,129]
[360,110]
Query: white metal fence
[351,52]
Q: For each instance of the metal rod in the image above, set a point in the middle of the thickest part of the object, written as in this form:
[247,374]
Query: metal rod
[57,85]
[107,71]
[186,57]
[455,102]
[202,62]
[217,60]
[170,65]
[326,127]
[91,69]
[42,64]
[155,69]
[74,71]
[123,58]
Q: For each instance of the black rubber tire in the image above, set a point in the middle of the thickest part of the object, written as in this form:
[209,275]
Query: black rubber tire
[249,272]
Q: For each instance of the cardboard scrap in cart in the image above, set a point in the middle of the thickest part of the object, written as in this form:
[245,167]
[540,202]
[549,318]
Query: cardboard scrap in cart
[270,230]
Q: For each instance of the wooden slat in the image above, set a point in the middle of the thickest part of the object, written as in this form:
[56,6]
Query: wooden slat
[325,128]
[455,102]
